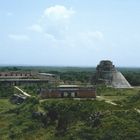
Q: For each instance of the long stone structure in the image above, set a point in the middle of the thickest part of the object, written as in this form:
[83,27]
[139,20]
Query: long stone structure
[25,77]
[69,91]
[108,74]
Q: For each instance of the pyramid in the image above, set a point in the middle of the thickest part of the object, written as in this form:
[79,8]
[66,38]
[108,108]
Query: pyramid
[108,74]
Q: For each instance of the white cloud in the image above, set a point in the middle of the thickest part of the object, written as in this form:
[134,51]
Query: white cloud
[54,26]
[36,28]
[92,40]
[58,12]
[54,21]
[19,37]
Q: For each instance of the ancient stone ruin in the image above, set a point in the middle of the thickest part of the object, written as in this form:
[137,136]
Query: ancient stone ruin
[107,73]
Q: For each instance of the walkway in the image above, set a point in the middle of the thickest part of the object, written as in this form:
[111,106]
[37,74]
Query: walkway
[138,110]
[26,94]
[110,102]
[106,100]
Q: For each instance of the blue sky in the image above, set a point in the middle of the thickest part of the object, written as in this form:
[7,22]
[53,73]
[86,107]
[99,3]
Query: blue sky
[69,32]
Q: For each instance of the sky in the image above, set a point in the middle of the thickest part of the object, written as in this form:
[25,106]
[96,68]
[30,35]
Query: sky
[69,32]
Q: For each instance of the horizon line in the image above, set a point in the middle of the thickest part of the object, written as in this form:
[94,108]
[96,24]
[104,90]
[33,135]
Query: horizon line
[72,66]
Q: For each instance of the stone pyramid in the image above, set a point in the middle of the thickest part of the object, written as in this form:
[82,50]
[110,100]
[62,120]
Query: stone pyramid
[108,74]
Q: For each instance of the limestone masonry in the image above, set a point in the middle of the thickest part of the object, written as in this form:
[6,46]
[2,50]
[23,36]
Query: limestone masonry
[108,74]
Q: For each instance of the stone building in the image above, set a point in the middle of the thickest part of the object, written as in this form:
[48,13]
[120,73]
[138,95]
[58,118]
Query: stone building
[107,73]
[16,75]
[27,77]
[69,91]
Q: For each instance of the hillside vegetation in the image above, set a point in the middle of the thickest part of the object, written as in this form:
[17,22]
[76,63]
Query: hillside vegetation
[70,120]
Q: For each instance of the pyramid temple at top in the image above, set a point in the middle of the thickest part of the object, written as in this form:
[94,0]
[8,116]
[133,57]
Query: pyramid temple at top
[108,74]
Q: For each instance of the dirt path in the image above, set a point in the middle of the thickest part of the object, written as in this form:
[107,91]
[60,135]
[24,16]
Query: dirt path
[26,94]
[110,102]
[138,110]
[106,100]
